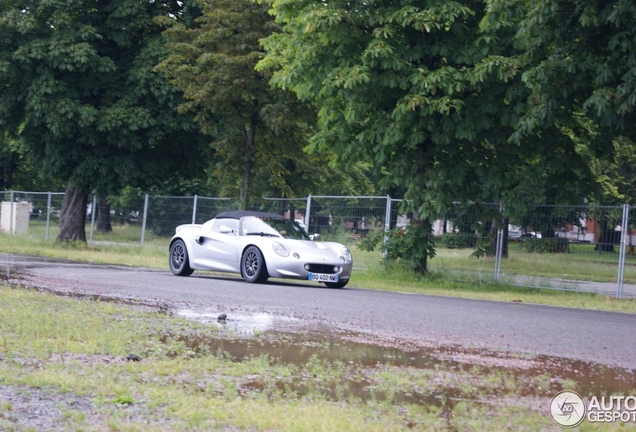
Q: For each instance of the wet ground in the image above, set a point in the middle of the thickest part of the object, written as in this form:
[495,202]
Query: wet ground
[247,335]
[294,340]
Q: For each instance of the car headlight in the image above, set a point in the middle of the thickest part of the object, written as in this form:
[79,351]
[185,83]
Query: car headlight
[280,249]
[346,254]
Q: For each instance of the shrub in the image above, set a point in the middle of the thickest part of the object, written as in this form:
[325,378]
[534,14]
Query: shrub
[458,241]
[543,245]
[411,246]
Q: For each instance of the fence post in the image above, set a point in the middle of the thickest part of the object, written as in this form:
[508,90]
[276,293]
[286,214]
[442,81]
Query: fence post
[143,224]
[621,259]
[387,224]
[308,211]
[48,216]
[11,213]
[194,210]
[90,238]
[499,248]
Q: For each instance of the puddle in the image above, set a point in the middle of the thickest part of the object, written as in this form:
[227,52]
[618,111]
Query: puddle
[540,376]
[362,390]
[27,259]
[13,265]
[241,324]
[297,349]
[304,350]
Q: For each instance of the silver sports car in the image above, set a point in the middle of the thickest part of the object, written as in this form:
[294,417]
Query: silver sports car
[258,246]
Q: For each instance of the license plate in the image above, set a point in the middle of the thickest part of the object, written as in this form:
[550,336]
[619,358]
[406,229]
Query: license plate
[321,277]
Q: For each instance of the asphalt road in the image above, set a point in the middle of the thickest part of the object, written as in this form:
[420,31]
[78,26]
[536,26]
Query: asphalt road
[602,337]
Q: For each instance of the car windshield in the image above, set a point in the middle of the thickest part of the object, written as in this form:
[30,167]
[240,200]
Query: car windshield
[273,227]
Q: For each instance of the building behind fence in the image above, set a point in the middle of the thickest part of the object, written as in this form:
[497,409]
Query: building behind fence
[580,235]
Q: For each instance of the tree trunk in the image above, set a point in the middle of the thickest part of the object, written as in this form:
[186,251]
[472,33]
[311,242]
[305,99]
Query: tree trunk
[494,227]
[73,216]
[607,238]
[421,229]
[248,164]
[103,216]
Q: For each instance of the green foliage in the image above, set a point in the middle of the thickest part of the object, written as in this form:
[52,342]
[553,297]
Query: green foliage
[483,248]
[123,399]
[458,241]
[617,176]
[577,59]
[17,171]
[258,133]
[546,245]
[412,246]
[419,90]
[77,86]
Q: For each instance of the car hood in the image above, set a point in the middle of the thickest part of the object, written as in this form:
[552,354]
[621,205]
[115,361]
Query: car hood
[308,244]
[314,247]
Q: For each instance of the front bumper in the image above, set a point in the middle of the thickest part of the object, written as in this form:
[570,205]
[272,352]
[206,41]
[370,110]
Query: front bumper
[294,268]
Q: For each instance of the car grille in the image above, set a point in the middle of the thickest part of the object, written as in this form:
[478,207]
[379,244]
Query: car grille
[322,268]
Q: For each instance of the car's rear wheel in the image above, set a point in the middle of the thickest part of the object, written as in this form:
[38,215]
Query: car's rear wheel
[253,267]
[179,261]
[340,284]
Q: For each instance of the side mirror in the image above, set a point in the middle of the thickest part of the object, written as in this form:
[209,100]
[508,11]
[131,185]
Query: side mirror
[225,230]
[314,237]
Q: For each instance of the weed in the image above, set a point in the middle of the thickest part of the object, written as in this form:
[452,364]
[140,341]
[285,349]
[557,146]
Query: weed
[210,389]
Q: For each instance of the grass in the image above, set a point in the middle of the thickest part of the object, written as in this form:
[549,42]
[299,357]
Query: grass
[453,272]
[72,353]
[46,356]
[114,251]
[122,233]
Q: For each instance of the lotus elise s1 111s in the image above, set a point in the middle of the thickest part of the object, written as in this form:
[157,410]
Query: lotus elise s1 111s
[258,246]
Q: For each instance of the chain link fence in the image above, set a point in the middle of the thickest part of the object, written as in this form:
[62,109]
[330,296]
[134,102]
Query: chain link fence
[34,212]
[577,248]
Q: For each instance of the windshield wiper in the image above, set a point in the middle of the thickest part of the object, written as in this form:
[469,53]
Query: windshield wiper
[263,234]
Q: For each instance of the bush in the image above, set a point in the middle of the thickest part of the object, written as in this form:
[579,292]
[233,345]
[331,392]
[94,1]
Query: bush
[411,246]
[458,241]
[543,245]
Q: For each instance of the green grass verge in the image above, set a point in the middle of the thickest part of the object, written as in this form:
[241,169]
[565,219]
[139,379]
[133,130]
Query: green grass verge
[369,272]
[72,352]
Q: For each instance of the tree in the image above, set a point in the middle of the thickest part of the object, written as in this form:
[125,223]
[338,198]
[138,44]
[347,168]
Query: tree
[619,177]
[77,87]
[577,58]
[255,129]
[416,88]
[17,171]
[10,157]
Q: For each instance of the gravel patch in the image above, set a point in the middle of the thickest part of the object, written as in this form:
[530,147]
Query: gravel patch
[38,409]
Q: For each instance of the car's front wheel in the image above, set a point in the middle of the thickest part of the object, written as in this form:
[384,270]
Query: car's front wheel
[340,284]
[179,261]
[253,266]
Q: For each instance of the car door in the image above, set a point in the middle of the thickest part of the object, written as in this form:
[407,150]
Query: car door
[220,245]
